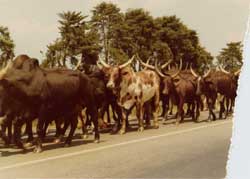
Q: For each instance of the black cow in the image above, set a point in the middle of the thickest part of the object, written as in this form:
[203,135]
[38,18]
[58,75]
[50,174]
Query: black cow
[52,93]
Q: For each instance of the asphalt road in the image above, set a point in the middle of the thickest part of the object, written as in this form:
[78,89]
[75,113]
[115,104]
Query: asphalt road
[190,150]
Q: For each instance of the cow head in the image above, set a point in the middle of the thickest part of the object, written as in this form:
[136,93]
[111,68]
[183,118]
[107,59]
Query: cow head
[202,81]
[114,74]
[167,80]
[18,74]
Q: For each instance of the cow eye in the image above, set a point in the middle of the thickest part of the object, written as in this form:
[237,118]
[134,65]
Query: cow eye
[124,73]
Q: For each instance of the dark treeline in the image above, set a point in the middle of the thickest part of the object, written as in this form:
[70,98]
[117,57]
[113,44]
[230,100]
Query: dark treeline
[116,36]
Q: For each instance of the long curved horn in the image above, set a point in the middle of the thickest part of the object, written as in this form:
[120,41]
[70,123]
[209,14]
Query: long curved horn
[158,71]
[145,64]
[223,70]
[4,70]
[127,63]
[104,63]
[237,72]
[180,67]
[78,64]
[166,64]
[192,71]
[148,60]
[206,74]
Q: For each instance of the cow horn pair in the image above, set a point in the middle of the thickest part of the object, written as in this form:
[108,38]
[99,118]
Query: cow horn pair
[151,66]
[163,75]
[120,66]
[196,75]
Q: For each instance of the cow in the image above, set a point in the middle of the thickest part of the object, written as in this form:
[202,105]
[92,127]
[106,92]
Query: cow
[230,99]
[10,110]
[183,91]
[133,89]
[103,95]
[166,86]
[50,93]
[212,83]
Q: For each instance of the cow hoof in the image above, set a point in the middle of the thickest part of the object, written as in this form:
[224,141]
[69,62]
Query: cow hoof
[156,127]
[97,141]
[28,144]
[85,136]
[37,150]
[66,145]
[141,129]
[147,126]
[57,141]
[121,132]
[177,123]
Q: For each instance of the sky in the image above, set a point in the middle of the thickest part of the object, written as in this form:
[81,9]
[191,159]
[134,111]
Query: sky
[33,23]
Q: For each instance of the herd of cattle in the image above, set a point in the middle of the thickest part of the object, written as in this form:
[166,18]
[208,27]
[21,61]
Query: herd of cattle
[28,92]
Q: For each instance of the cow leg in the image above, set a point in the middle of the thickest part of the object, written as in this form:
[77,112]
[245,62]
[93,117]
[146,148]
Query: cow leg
[73,124]
[201,104]
[40,129]
[197,114]
[210,103]
[192,109]
[180,116]
[227,106]
[155,110]
[93,111]
[84,129]
[165,117]
[164,106]
[124,121]
[46,125]
[5,126]
[147,113]
[171,106]
[231,105]
[60,132]
[17,132]
[189,110]
[222,107]
[118,110]
[29,133]
[108,113]
[139,114]
[3,134]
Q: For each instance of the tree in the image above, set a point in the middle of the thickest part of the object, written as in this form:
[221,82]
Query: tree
[106,19]
[231,56]
[76,41]
[181,40]
[204,59]
[6,46]
[141,33]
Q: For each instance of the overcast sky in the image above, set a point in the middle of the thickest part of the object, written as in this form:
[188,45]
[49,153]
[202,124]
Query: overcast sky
[33,23]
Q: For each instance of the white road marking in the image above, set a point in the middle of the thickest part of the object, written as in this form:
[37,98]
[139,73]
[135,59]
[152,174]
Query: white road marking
[111,146]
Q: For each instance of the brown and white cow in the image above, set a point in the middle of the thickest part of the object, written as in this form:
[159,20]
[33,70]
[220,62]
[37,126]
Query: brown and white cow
[133,89]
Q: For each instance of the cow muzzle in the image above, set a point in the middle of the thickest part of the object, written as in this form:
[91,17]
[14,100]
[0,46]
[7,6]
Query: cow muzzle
[110,85]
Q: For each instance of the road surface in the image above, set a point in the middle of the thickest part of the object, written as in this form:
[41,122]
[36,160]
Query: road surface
[190,150]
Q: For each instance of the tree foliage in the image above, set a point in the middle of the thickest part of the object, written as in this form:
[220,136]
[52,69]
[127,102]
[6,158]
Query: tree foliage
[106,20]
[231,56]
[6,46]
[117,36]
[76,42]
